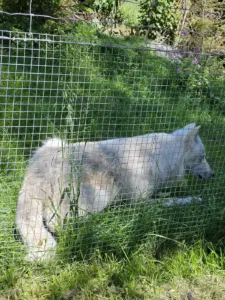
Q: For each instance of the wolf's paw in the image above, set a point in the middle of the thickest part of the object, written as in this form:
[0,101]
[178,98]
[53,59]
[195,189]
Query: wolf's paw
[180,201]
[45,251]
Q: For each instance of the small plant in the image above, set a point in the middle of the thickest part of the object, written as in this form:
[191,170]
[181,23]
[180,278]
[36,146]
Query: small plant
[202,74]
[159,17]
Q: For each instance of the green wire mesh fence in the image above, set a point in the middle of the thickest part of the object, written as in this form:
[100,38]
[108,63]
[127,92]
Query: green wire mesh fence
[55,86]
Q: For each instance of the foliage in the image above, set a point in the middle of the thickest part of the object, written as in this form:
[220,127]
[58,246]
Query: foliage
[128,13]
[104,6]
[186,272]
[106,10]
[38,7]
[203,26]
[159,17]
[198,73]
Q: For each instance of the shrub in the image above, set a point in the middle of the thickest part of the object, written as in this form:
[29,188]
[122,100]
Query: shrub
[160,17]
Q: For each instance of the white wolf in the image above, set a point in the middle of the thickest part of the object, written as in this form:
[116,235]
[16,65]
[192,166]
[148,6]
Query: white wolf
[100,172]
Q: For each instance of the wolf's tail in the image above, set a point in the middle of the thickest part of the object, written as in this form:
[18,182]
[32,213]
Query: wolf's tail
[38,240]
[39,207]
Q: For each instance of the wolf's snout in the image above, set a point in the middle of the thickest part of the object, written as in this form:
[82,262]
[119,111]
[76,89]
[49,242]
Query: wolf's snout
[206,175]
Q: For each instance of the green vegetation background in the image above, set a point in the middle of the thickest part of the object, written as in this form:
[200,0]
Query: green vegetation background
[85,85]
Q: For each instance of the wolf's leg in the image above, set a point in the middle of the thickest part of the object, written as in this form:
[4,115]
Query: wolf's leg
[56,209]
[92,200]
[29,219]
[181,200]
[95,196]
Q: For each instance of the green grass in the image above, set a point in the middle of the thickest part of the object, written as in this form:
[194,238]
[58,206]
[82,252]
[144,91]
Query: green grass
[91,92]
[197,269]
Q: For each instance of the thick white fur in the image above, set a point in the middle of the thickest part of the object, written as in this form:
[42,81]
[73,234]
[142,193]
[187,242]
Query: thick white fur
[100,173]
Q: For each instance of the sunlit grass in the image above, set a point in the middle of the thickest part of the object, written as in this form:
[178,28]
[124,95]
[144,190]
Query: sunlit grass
[198,270]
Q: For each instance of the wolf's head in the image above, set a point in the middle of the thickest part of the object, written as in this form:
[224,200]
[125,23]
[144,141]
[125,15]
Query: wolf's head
[194,159]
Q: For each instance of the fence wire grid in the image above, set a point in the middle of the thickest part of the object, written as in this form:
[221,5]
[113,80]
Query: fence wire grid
[54,86]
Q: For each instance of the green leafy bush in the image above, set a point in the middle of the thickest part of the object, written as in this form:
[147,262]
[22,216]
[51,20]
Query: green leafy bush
[129,13]
[38,7]
[159,17]
[203,75]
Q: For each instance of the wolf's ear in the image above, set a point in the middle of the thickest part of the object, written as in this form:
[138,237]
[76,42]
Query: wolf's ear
[189,131]
[190,126]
